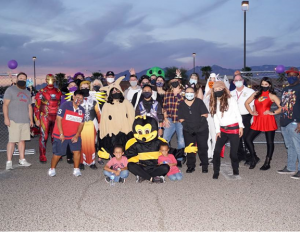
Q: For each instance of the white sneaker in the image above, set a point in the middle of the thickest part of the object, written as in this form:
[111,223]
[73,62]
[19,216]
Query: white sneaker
[52,172]
[9,165]
[24,163]
[76,172]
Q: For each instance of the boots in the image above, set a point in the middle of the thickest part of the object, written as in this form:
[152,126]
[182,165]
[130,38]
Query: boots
[254,161]
[266,165]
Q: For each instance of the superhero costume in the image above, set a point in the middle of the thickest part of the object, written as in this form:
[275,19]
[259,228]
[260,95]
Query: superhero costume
[45,111]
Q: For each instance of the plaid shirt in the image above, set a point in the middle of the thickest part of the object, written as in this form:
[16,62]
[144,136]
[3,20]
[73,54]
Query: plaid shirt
[170,105]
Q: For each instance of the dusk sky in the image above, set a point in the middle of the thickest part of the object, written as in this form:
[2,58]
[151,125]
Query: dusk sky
[78,35]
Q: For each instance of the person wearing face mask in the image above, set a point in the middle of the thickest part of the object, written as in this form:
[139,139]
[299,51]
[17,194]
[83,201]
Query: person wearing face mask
[90,128]
[228,124]
[67,130]
[263,120]
[78,77]
[134,87]
[290,122]
[137,97]
[170,109]
[116,120]
[45,111]
[71,88]
[17,112]
[194,79]
[151,108]
[161,88]
[110,77]
[192,113]
[241,94]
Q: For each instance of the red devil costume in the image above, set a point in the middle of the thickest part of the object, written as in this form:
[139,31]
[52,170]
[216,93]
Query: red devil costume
[45,110]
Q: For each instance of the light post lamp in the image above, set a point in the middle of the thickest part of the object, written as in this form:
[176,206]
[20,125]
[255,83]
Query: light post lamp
[34,58]
[194,58]
[245,8]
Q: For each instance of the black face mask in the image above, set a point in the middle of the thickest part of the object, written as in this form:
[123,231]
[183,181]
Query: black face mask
[85,92]
[265,88]
[77,81]
[21,84]
[153,82]
[175,84]
[96,88]
[146,94]
[219,93]
[116,95]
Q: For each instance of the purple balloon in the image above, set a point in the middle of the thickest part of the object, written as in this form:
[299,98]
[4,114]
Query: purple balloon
[12,64]
[280,69]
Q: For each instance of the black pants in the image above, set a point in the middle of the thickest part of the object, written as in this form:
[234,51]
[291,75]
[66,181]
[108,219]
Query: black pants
[269,138]
[147,172]
[199,139]
[242,153]
[234,145]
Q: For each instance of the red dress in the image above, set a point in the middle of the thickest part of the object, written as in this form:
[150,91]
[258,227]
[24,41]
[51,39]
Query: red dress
[263,122]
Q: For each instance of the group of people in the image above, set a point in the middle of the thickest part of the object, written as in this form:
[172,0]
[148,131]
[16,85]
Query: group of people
[133,129]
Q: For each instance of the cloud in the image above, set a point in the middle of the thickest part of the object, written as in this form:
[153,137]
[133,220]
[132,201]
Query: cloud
[261,43]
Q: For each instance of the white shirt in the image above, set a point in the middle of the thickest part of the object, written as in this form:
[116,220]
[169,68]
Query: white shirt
[130,92]
[231,116]
[241,98]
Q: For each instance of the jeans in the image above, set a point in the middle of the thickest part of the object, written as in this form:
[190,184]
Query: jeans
[168,133]
[176,176]
[292,142]
[123,174]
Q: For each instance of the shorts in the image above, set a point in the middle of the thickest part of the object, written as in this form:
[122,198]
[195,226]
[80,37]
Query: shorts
[18,132]
[60,148]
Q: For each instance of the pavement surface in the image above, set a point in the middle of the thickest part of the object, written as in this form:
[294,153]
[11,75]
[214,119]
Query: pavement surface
[256,200]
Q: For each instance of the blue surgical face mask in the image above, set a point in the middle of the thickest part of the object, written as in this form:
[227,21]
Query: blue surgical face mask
[291,80]
[193,81]
[159,84]
[189,96]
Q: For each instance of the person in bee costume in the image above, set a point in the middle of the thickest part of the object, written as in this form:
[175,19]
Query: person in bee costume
[142,151]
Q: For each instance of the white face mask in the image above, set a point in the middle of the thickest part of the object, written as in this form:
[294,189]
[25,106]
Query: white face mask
[110,79]
[238,84]
[189,96]
[133,83]
[193,81]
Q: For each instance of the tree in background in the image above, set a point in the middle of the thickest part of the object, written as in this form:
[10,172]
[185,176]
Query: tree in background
[60,79]
[206,71]
[170,73]
[281,77]
[246,76]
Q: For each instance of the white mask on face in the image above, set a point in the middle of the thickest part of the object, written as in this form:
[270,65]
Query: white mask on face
[238,84]
[133,83]
[110,79]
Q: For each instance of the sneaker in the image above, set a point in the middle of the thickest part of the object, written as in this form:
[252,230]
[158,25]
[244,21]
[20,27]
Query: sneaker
[296,176]
[76,172]
[107,179]
[9,165]
[162,179]
[52,172]
[24,163]
[139,179]
[158,179]
[285,171]
[81,166]
[122,180]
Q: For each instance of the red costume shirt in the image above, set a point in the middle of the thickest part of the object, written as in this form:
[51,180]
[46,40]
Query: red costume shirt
[71,119]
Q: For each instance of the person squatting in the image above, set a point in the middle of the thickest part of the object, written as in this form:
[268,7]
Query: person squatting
[133,129]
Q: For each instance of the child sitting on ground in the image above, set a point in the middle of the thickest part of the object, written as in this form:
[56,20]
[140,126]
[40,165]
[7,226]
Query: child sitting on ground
[117,166]
[166,158]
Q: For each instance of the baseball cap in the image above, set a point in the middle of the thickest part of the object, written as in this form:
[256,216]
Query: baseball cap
[110,73]
[292,69]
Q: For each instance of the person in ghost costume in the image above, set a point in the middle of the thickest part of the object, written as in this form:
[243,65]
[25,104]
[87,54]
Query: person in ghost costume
[211,125]
[116,119]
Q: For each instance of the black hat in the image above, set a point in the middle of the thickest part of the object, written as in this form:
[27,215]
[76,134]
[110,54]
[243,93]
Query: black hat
[110,73]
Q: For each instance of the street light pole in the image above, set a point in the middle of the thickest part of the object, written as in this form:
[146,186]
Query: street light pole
[194,59]
[245,8]
[34,58]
